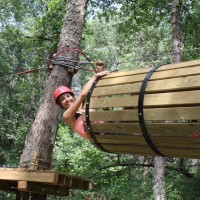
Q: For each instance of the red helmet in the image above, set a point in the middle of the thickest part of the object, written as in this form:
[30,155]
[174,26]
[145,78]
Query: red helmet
[60,90]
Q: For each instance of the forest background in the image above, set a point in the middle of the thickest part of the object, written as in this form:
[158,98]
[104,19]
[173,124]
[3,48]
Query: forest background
[125,35]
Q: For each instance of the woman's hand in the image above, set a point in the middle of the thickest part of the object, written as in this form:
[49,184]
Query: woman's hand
[103,73]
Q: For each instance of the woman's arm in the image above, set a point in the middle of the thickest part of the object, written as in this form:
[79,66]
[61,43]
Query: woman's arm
[69,114]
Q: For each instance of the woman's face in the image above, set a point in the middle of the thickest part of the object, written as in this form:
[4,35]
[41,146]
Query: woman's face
[66,100]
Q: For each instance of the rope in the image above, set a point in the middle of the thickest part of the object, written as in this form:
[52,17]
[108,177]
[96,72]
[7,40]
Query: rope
[42,163]
[64,61]
[69,49]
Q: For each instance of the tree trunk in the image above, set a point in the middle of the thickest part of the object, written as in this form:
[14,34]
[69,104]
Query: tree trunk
[176,57]
[41,137]
[147,161]
[159,174]
[159,166]
[176,32]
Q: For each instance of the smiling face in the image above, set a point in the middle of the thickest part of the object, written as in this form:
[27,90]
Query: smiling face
[66,100]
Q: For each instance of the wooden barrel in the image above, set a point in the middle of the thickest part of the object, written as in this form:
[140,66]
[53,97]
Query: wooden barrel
[151,111]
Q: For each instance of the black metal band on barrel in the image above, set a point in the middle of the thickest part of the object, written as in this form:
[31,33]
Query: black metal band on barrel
[87,116]
[141,113]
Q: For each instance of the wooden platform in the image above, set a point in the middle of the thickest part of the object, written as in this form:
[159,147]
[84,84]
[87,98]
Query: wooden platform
[171,111]
[42,182]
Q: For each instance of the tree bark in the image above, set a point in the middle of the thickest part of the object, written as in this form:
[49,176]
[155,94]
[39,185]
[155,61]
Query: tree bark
[41,136]
[159,166]
[176,32]
[159,174]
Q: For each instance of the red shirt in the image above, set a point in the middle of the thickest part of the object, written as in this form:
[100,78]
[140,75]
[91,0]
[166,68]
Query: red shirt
[79,128]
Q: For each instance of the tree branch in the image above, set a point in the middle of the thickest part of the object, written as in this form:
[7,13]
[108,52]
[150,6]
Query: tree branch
[38,38]
[181,169]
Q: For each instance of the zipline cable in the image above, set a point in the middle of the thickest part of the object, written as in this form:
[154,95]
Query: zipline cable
[13,75]
[159,54]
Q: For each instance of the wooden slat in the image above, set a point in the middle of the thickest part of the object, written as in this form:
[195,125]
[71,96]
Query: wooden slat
[150,100]
[147,69]
[16,175]
[108,102]
[175,84]
[176,113]
[73,182]
[157,141]
[122,115]
[157,129]
[158,75]
[142,150]
[24,186]
[63,180]
[78,184]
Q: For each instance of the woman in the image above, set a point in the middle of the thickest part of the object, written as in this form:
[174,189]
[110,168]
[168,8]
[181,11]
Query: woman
[73,114]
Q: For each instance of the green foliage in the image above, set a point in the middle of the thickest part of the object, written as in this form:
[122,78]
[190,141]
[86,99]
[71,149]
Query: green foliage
[182,188]
[190,12]
[24,48]
[122,51]
[127,35]
[19,95]
[47,28]
[76,156]
[7,196]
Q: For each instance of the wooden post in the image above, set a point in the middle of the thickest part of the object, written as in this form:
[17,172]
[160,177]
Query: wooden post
[33,167]
[21,161]
[34,161]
